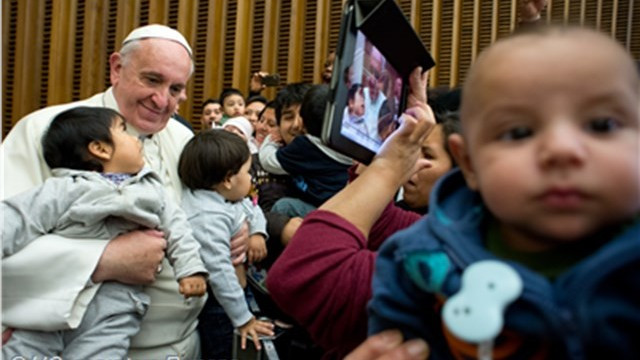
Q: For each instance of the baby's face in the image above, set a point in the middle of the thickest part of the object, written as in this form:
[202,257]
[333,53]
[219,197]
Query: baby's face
[234,129]
[240,183]
[356,106]
[551,131]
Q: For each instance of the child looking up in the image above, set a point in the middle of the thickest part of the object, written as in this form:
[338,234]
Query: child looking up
[214,167]
[550,186]
[99,190]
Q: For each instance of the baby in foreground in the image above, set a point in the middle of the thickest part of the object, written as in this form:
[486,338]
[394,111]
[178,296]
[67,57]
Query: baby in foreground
[549,184]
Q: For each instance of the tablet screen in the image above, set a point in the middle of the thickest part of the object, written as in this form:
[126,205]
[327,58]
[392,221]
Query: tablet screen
[374,91]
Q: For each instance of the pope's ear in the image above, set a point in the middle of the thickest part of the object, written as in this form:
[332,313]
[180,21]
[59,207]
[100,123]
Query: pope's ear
[100,150]
[115,67]
[460,153]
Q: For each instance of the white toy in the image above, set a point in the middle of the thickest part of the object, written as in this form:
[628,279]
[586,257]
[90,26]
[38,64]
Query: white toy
[475,313]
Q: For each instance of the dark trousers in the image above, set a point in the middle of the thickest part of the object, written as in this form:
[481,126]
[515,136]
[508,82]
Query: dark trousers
[216,330]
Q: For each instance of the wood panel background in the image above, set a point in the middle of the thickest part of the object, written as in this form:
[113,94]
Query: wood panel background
[55,51]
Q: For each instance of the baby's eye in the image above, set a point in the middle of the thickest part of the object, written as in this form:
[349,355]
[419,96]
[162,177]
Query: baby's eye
[603,125]
[516,133]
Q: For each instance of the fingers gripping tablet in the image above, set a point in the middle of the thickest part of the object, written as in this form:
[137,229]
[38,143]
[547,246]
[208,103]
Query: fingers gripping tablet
[370,77]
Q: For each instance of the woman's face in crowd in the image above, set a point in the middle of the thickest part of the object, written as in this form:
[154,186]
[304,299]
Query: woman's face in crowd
[418,188]
[252,111]
[266,124]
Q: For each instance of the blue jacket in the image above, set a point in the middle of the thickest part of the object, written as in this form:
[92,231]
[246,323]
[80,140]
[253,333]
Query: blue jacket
[591,311]
[316,175]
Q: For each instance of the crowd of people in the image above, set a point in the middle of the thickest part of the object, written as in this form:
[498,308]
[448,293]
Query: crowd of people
[156,239]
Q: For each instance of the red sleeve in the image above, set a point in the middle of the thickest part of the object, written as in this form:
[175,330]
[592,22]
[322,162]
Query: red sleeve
[391,220]
[323,280]
[323,277]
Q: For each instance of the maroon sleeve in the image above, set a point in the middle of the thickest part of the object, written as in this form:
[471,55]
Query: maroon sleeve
[323,280]
[323,277]
[391,220]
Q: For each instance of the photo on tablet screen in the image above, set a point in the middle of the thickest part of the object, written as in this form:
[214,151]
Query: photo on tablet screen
[370,73]
[374,94]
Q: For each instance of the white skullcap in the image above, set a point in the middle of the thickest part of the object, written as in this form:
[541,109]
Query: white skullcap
[158,31]
[242,124]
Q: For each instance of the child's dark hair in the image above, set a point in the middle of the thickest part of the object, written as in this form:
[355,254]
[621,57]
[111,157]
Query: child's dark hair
[209,101]
[312,108]
[443,99]
[210,157]
[290,95]
[450,122]
[228,92]
[353,90]
[66,141]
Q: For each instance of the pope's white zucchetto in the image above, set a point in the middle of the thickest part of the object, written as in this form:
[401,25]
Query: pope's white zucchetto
[157,31]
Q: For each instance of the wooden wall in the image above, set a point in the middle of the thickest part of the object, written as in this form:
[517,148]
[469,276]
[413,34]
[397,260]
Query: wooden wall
[55,51]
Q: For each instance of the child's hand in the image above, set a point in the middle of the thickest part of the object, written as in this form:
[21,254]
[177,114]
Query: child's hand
[257,248]
[275,136]
[194,285]
[254,328]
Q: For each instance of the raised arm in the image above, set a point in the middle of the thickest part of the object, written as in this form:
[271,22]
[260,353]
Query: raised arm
[323,277]
[363,200]
[268,157]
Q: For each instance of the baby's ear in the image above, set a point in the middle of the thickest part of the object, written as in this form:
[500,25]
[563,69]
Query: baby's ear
[460,153]
[227,184]
[100,150]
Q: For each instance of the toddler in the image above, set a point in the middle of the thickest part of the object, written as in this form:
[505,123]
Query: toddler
[214,167]
[233,104]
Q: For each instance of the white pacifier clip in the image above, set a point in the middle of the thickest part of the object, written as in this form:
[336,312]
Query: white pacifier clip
[475,314]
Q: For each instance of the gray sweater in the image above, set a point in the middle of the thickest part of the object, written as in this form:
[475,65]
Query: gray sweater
[85,205]
[215,221]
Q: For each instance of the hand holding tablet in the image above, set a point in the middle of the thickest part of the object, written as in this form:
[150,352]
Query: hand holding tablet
[377,51]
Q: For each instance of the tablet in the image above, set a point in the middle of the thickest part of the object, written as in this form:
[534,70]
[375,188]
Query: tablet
[377,51]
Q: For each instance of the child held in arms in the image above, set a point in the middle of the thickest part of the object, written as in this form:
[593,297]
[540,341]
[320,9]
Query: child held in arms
[99,189]
[214,167]
[549,188]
